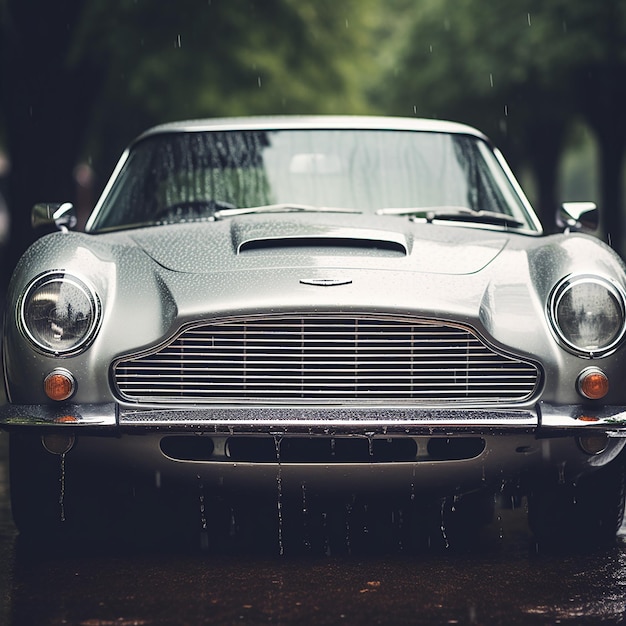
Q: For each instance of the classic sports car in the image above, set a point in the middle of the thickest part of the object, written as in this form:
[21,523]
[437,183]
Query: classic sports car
[315,306]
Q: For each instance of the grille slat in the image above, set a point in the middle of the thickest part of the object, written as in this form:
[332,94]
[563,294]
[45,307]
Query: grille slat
[325,358]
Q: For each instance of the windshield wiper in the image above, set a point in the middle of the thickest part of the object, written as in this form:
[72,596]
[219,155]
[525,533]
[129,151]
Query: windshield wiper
[454,213]
[281,208]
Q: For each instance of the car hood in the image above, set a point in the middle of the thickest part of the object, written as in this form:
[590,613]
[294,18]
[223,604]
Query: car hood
[261,241]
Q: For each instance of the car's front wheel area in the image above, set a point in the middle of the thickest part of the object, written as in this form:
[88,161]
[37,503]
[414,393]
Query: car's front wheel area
[54,498]
[586,513]
[49,496]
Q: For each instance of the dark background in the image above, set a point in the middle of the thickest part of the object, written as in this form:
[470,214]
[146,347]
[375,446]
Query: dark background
[80,78]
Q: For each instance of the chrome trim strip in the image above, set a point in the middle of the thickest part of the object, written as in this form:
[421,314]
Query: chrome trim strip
[65,415]
[576,416]
[327,419]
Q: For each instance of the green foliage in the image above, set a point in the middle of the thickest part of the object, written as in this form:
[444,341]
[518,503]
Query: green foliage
[193,58]
[524,71]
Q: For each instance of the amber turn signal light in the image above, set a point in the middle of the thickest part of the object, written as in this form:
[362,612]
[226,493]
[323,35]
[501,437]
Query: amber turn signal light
[59,385]
[593,383]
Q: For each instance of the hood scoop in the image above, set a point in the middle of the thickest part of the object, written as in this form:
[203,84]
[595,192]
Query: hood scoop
[325,240]
[337,244]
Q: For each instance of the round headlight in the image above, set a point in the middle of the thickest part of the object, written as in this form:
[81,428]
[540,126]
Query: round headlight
[59,313]
[587,313]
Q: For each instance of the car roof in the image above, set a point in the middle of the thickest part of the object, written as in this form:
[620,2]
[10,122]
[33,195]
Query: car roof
[312,122]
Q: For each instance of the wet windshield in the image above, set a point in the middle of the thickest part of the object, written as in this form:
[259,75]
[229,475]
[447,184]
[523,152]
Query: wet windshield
[213,175]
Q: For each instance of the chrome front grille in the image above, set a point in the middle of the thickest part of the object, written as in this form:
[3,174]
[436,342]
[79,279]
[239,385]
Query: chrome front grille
[325,359]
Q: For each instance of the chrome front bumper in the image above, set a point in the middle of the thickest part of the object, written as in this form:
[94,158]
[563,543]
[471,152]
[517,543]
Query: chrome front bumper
[551,419]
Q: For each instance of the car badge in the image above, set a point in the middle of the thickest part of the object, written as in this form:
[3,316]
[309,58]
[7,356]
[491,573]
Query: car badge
[326,282]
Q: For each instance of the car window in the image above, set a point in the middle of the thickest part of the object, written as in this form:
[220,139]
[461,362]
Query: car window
[180,177]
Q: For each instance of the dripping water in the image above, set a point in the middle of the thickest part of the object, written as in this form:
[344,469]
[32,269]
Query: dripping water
[279,490]
[62,489]
[326,534]
[347,527]
[561,473]
[366,529]
[232,529]
[204,534]
[442,526]
[305,519]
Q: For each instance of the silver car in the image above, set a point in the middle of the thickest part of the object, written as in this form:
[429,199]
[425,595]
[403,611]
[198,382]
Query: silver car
[316,307]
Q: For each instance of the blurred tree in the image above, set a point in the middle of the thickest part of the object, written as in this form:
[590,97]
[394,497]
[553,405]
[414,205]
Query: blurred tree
[80,79]
[523,70]
[44,105]
[486,68]
[596,64]
[213,58]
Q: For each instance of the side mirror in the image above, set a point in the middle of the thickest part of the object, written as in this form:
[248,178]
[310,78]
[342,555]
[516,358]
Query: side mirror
[579,216]
[62,215]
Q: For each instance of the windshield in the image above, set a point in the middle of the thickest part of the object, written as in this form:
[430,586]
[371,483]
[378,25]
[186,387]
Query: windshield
[206,175]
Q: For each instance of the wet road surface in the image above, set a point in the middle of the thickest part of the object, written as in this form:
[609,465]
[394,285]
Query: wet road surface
[499,579]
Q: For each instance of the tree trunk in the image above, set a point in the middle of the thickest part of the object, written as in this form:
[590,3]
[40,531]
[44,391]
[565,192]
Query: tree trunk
[612,189]
[544,147]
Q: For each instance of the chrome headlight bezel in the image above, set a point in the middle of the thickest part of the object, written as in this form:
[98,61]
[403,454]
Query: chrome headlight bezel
[557,301]
[88,323]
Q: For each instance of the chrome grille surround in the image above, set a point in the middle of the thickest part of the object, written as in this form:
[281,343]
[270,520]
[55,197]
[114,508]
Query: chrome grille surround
[325,359]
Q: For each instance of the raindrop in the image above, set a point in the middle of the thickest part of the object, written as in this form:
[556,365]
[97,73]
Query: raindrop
[491,79]
[258,80]
[455,499]
[529,20]
[179,43]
